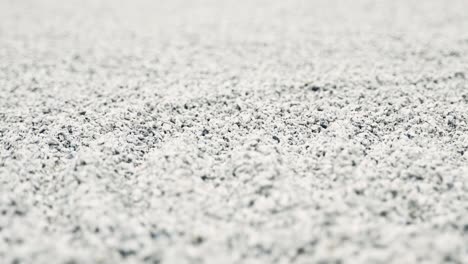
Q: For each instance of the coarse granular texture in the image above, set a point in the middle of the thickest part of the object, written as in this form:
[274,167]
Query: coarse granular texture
[233,131]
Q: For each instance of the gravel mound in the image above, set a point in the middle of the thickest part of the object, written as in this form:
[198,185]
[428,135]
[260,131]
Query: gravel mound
[233,131]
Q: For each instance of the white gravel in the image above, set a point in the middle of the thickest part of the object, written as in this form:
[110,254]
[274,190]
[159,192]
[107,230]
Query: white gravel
[233,131]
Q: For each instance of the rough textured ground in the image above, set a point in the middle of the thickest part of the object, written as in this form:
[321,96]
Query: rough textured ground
[233,131]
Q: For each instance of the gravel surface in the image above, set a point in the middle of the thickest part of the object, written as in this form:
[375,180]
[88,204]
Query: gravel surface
[233,131]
